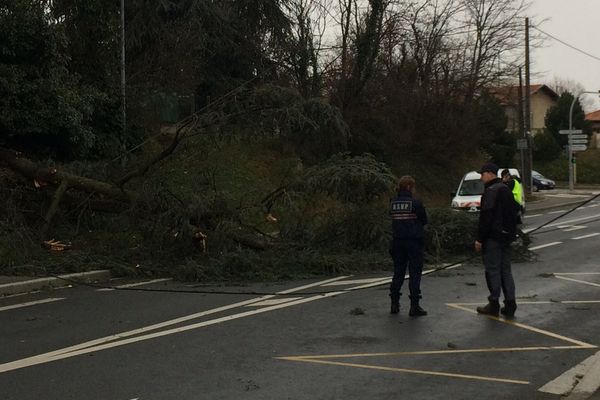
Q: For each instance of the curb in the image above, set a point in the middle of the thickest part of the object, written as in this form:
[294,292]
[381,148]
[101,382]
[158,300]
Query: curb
[31,285]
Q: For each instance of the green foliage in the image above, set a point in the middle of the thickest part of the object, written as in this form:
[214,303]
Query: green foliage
[358,179]
[280,264]
[340,203]
[314,128]
[545,146]
[500,145]
[43,107]
[450,232]
[557,118]
[17,241]
[588,167]
[556,169]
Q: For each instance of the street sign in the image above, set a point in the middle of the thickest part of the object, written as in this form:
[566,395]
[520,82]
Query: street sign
[579,147]
[522,144]
[568,132]
[578,136]
[578,141]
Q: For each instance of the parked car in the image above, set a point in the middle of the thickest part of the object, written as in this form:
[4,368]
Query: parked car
[541,182]
[468,195]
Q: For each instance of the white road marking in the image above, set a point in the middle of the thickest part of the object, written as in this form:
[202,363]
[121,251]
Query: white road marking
[566,222]
[576,273]
[533,216]
[575,228]
[272,302]
[352,282]
[586,236]
[577,280]
[31,303]
[584,378]
[544,245]
[567,195]
[130,285]
[118,339]
[558,212]
[580,301]
[125,338]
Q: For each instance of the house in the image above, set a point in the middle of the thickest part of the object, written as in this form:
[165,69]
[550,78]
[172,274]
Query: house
[542,98]
[594,118]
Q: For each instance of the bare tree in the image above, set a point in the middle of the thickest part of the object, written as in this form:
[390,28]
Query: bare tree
[562,85]
[309,24]
[494,41]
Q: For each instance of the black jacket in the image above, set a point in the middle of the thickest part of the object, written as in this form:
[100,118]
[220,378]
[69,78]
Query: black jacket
[498,214]
[408,216]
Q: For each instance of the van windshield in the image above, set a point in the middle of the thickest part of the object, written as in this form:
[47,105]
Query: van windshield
[471,188]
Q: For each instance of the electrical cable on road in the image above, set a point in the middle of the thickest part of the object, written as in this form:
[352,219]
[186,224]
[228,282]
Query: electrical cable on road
[258,293]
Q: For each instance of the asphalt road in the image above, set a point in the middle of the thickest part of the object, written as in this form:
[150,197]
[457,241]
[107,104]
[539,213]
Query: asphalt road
[327,339]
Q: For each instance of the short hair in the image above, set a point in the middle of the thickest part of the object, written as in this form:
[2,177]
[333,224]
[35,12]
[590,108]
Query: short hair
[407,182]
[504,173]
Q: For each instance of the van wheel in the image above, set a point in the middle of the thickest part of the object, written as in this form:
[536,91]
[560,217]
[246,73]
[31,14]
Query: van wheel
[535,188]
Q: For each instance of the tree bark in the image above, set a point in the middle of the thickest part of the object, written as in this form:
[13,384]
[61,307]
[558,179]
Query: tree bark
[54,206]
[54,177]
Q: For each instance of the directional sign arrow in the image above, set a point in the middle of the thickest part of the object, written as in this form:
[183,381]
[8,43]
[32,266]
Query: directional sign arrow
[578,141]
[579,147]
[568,132]
[578,136]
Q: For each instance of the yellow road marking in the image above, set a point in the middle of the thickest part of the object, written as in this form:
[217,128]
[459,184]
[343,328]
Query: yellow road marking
[406,370]
[326,359]
[434,352]
[527,327]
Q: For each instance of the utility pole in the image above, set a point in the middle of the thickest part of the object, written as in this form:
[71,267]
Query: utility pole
[521,121]
[527,170]
[123,90]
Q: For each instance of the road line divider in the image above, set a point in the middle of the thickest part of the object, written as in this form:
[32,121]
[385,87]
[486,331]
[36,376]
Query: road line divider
[579,343]
[31,303]
[542,246]
[128,337]
[409,371]
[585,236]
[564,278]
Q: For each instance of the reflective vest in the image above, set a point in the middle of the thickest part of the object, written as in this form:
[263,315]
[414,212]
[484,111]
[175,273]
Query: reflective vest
[518,192]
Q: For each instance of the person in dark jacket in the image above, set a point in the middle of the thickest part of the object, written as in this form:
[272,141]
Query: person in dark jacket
[408,219]
[496,231]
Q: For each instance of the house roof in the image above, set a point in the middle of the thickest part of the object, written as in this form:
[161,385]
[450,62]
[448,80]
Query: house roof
[593,116]
[508,95]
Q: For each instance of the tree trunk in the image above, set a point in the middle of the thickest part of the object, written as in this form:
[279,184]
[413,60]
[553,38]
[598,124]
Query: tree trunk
[54,177]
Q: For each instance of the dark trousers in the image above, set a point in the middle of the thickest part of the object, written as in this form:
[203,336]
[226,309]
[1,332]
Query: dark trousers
[498,274]
[407,254]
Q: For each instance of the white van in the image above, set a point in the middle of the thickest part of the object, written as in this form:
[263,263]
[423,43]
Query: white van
[468,195]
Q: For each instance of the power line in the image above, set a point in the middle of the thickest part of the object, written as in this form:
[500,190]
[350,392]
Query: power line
[567,44]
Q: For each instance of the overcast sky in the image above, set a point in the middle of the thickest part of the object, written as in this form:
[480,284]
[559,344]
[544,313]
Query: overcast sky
[576,23]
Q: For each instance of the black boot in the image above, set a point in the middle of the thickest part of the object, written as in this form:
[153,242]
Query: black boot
[395,307]
[510,306]
[492,308]
[415,308]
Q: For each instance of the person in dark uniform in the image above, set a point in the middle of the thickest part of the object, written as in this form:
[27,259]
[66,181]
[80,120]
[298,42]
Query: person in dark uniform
[408,219]
[496,231]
